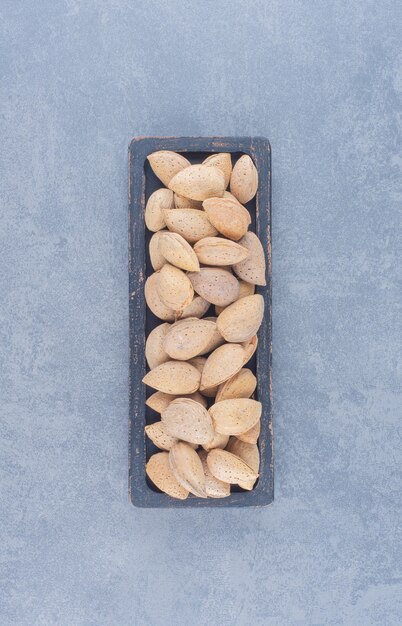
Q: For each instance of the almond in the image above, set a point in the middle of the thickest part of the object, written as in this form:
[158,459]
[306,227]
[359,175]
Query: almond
[218,441]
[188,420]
[251,435]
[181,202]
[229,217]
[214,487]
[244,179]
[191,224]
[242,319]
[250,454]
[246,289]
[252,268]
[215,284]
[219,251]
[159,436]
[159,472]
[216,339]
[199,363]
[199,182]
[187,468]
[228,467]
[241,385]
[250,347]
[178,252]
[222,364]
[174,377]
[153,300]
[157,259]
[166,164]
[174,287]
[227,194]
[233,417]
[158,401]
[223,161]
[197,308]
[158,201]
[188,338]
[154,351]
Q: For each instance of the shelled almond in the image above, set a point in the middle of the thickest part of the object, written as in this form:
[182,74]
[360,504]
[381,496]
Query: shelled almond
[204,258]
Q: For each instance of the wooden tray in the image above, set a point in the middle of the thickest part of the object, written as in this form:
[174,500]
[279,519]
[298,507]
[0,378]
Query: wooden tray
[142,182]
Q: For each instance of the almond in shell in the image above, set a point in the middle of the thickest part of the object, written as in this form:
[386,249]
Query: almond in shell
[187,468]
[250,454]
[159,400]
[214,487]
[218,251]
[174,287]
[250,347]
[199,182]
[230,218]
[246,289]
[244,179]
[241,320]
[199,363]
[215,284]
[159,472]
[216,339]
[188,338]
[233,417]
[229,468]
[218,441]
[154,351]
[157,259]
[241,385]
[188,420]
[178,252]
[223,160]
[191,224]
[153,300]
[165,164]
[252,268]
[174,377]
[251,435]
[158,201]
[221,365]
[181,202]
[159,436]
[197,308]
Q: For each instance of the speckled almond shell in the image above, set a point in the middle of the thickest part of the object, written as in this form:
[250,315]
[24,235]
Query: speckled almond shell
[241,320]
[246,289]
[188,420]
[166,164]
[215,284]
[154,351]
[159,472]
[221,365]
[249,453]
[187,468]
[219,251]
[174,287]
[252,269]
[159,436]
[241,385]
[222,160]
[216,339]
[178,252]
[158,201]
[188,338]
[154,302]
[174,377]
[157,259]
[229,217]
[199,182]
[228,467]
[191,224]
[233,417]
[250,347]
[181,202]
[244,179]
[251,435]
[214,487]
[218,441]
[197,308]
[159,400]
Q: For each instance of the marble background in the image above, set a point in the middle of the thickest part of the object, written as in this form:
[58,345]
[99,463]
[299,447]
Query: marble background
[323,81]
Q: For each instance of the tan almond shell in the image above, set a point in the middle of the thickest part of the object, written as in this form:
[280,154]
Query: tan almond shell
[188,338]
[216,285]
[246,289]
[222,364]
[249,453]
[229,195]
[174,377]
[251,435]
[157,259]
[253,268]
[187,468]
[219,251]
[199,363]
[197,308]
[214,487]
[229,217]
[233,417]
[158,201]
[216,339]
[181,202]
[159,436]
[191,224]
[241,385]
[244,179]
[223,160]
[199,182]
[188,420]
[228,467]
[154,351]
[178,252]
[159,472]
[241,320]
[159,400]
[250,347]
[174,287]
[218,441]
[166,164]
[153,300]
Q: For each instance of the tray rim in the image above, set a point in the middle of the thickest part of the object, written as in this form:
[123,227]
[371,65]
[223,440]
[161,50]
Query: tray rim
[259,149]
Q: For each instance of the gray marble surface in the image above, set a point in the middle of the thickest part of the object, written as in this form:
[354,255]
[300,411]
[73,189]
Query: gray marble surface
[321,80]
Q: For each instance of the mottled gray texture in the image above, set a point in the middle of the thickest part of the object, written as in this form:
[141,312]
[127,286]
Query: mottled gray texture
[322,80]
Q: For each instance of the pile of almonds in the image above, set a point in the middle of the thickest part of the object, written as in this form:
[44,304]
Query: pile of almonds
[203,254]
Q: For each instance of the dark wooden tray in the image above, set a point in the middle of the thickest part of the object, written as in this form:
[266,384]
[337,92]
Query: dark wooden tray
[142,182]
